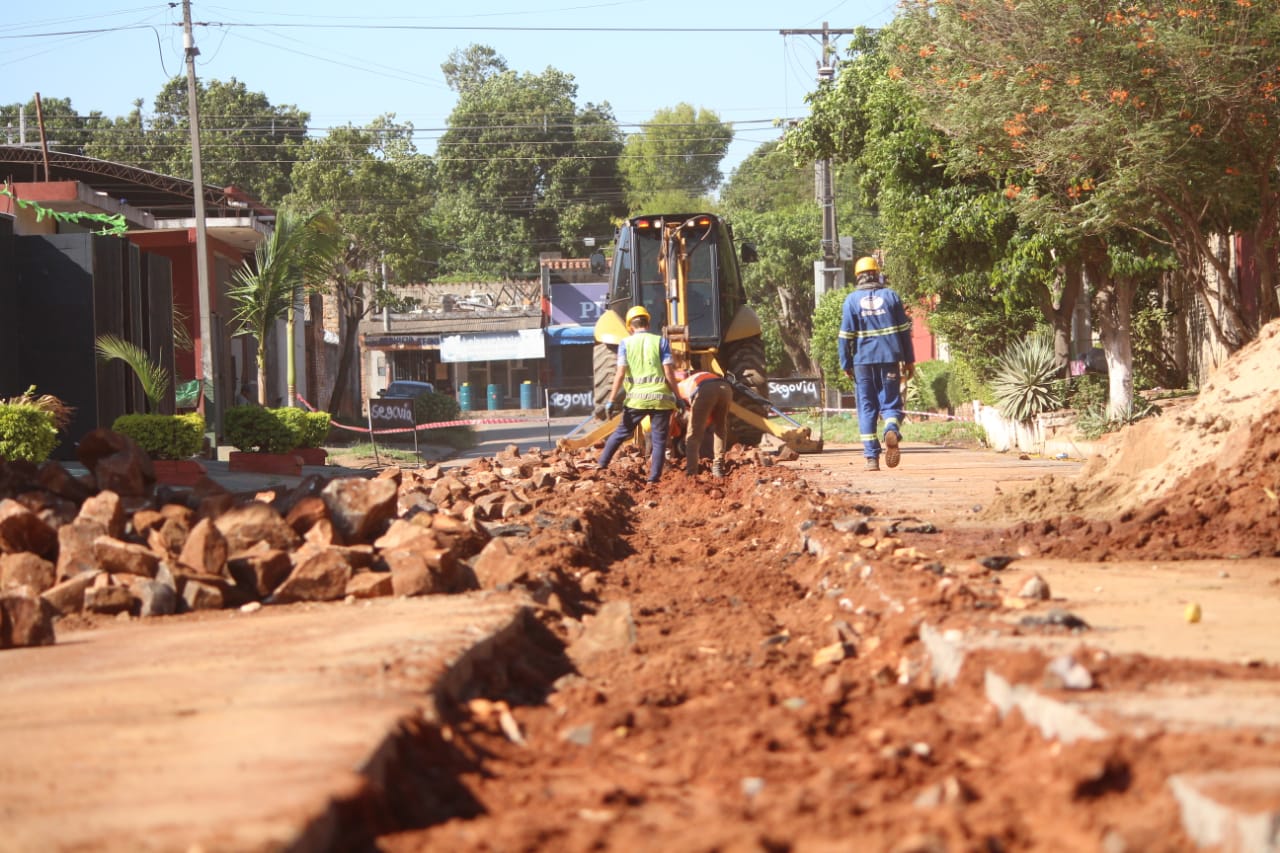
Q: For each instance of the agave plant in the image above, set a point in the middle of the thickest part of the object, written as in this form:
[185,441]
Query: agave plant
[154,378]
[1024,383]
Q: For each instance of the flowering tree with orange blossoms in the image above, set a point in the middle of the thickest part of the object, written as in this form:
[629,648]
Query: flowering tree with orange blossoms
[953,238]
[1157,117]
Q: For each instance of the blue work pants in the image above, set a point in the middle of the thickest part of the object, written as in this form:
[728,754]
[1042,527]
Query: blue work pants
[659,429]
[879,392]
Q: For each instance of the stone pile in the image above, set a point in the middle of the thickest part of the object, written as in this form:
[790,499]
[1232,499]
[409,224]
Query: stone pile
[113,542]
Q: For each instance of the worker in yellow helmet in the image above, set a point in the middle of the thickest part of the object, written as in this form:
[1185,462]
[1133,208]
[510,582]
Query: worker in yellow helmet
[876,352]
[646,363]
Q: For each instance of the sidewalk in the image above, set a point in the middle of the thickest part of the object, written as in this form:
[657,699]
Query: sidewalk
[187,736]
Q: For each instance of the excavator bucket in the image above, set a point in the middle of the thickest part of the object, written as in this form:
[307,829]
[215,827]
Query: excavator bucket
[800,439]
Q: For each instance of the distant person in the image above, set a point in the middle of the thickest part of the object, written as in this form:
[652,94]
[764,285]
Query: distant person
[708,396]
[645,362]
[876,353]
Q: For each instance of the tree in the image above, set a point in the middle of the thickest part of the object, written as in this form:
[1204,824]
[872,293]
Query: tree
[244,139]
[520,148]
[467,69]
[678,151]
[298,254]
[1157,119]
[780,284]
[379,191]
[767,179]
[64,128]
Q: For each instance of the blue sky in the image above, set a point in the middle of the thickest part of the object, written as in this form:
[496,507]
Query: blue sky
[350,62]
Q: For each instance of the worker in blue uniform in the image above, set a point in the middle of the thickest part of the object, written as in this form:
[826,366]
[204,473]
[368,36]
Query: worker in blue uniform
[876,353]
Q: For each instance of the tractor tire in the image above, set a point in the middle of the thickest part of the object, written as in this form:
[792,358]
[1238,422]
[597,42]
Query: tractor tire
[604,366]
[745,360]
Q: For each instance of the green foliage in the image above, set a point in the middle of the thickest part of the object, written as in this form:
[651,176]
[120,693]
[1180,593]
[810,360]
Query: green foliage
[1084,393]
[246,141]
[255,429]
[843,429]
[27,432]
[519,150]
[927,390]
[1093,422]
[153,377]
[1024,384]
[298,255]
[824,345]
[310,429]
[432,408]
[965,384]
[1153,365]
[164,436]
[780,284]
[677,151]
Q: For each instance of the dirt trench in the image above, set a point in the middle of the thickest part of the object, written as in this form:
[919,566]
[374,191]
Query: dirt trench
[775,695]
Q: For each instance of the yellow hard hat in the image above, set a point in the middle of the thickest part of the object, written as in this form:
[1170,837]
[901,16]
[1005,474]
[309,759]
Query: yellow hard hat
[637,311]
[867,264]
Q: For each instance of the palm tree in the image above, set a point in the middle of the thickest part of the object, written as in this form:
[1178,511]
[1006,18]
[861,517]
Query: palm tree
[299,254]
[154,378]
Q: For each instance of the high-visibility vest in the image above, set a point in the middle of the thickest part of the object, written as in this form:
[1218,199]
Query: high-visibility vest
[648,388]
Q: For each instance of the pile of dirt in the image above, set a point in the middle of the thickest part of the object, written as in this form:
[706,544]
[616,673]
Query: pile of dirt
[1195,483]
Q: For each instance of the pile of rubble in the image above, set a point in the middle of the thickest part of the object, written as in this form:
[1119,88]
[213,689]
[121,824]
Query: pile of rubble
[114,542]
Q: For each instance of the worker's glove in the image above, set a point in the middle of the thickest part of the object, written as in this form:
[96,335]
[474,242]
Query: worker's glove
[610,409]
[682,405]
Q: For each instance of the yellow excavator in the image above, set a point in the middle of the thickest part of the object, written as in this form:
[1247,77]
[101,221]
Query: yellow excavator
[684,270]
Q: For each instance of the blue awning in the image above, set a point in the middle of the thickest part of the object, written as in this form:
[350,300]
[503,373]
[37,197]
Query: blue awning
[571,334]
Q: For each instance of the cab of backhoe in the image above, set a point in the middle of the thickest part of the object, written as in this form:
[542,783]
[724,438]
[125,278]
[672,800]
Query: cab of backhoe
[701,304]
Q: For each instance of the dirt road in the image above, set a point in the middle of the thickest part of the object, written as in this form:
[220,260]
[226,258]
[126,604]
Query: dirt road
[804,656]
[779,693]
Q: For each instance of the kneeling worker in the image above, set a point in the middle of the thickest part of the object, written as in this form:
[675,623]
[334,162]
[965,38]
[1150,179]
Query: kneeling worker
[708,396]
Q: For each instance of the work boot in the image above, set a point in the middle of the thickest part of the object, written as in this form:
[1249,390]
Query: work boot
[873,463]
[892,455]
[717,470]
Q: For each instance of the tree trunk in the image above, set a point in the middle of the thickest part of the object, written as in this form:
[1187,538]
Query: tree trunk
[291,362]
[795,329]
[1058,312]
[1113,306]
[262,371]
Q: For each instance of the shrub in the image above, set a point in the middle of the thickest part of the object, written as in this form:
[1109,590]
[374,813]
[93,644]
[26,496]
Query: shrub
[433,408]
[927,391]
[253,428]
[1085,392]
[164,436]
[27,432]
[310,429]
[1024,385]
[965,384]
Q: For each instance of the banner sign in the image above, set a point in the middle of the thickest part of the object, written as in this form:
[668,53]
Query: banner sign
[796,392]
[494,346]
[578,304]
[566,403]
[401,341]
[389,414]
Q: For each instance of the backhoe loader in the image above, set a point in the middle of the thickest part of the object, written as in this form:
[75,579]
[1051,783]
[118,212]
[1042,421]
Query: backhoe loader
[684,270]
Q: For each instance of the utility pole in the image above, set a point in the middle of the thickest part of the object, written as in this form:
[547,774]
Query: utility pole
[824,179]
[210,406]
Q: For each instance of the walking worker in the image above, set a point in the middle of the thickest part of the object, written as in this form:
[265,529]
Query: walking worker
[645,362]
[876,353]
[708,396]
